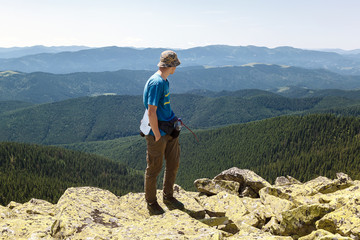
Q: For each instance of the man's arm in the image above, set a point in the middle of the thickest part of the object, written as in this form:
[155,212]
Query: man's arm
[154,121]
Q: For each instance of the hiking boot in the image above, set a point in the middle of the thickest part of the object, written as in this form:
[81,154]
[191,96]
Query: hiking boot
[155,209]
[173,203]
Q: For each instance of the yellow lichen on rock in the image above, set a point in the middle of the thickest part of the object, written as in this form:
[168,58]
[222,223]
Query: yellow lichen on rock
[87,206]
[345,220]
[323,235]
[342,197]
[325,185]
[224,204]
[301,220]
[210,186]
[248,232]
[274,204]
[174,224]
[4,212]
[31,219]
[321,209]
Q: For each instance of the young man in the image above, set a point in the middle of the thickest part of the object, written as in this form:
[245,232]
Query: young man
[161,140]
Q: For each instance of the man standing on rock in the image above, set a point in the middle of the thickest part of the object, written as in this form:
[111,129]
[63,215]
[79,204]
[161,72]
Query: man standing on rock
[162,139]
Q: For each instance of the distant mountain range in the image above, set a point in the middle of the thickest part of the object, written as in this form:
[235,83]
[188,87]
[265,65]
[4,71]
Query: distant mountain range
[17,52]
[341,51]
[116,58]
[41,87]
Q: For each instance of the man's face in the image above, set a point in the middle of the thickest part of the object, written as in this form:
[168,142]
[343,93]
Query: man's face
[172,70]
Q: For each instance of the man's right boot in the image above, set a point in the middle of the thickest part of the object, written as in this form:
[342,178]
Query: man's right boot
[155,209]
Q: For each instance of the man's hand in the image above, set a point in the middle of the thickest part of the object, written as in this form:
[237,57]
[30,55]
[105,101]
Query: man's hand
[157,138]
[154,121]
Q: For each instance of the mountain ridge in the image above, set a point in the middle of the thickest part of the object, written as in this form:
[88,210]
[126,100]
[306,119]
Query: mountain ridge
[40,87]
[17,52]
[116,58]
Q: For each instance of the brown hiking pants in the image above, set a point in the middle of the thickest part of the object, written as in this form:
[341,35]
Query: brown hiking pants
[169,148]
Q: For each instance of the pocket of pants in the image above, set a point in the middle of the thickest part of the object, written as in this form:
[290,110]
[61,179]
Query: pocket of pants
[152,142]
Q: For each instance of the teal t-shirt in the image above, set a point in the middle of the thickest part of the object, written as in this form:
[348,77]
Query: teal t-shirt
[156,92]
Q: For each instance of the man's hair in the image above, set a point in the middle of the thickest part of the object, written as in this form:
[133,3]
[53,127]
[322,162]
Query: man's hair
[163,68]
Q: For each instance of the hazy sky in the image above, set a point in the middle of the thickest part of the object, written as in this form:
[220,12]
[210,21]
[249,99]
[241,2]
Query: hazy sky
[309,24]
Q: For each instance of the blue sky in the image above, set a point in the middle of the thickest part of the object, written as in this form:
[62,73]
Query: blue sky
[311,24]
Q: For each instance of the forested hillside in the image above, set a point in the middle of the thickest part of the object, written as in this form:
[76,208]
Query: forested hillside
[111,117]
[8,106]
[300,146]
[74,120]
[34,171]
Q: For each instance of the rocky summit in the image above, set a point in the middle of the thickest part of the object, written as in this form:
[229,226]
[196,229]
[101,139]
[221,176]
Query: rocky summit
[236,204]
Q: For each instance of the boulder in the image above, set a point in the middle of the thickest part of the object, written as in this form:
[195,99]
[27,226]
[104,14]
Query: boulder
[255,219]
[288,180]
[273,226]
[89,207]
[323,235]
[275,205]
[212,187]
[250,182]
[303,194]
[224,204]
[35,206]
[13,204]
[29,220]
[287,192]
[344,220]
[248,232]
[258,214]
[26,227]
[340,198]
[326,185]
[4,212]
[301,220]
[233,207]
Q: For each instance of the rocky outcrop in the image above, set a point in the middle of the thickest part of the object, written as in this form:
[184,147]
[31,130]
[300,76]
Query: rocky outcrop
[212,187]
[250,182]
[319,209]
